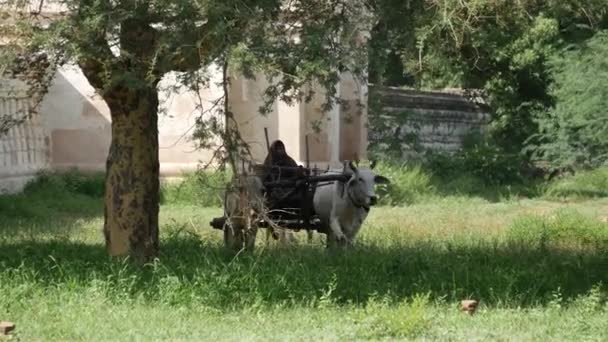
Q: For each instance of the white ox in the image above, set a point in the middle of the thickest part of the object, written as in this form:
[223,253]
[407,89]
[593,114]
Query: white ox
[342,207]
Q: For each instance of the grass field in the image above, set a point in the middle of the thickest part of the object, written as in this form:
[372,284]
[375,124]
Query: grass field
[538,266]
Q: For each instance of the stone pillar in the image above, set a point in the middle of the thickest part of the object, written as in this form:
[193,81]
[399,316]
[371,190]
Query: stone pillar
[353,118]
[334,129]
[245,99]
[290,129]
[316,125]
[354,94]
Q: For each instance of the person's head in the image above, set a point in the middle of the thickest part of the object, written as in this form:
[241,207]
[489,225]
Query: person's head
[278,148]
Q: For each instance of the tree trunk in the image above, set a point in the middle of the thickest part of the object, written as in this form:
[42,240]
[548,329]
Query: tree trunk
[132,174]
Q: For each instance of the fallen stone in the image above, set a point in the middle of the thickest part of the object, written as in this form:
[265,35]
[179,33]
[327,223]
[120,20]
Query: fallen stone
[6,327]
[469,306]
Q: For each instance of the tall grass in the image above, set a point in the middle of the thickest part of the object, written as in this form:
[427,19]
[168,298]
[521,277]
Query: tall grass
[566,228]
[72,192]
[201,188]
[521,266]
[51,195]
[586,184]
[409,184]
[411,267]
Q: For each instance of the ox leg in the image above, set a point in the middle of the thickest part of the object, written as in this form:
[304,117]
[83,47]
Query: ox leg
[335,236]
[336,229]
[350,242]
[350,238]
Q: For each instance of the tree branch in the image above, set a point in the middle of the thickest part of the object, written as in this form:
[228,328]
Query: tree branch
[99,61]
[93,70]
[189,58]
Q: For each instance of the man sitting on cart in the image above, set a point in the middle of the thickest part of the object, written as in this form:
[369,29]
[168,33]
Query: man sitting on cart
[281,167]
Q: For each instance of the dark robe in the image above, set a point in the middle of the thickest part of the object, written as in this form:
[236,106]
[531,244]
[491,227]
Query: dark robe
[276,159]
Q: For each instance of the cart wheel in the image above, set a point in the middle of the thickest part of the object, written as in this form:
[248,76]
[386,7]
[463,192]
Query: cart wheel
[250,236]
[233,238]
[240,230]
[237,237]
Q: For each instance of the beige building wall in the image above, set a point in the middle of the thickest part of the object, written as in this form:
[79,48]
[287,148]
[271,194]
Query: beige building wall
[179,110]
[290,123]
[24,148]
[77,121]
[73,128]
[353,119]
[245,98]
[79,124]
[328,133]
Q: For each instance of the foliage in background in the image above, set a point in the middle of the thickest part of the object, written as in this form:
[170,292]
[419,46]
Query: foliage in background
[585,184]
[386,135]
[392,33]
[566,228]
[409,184]
[481,158]
[501,47]
[202,188]
[574,134]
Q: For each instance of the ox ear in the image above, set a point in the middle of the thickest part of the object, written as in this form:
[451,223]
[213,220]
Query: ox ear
[372,164]
[352,166]
[378,179]
[347,168]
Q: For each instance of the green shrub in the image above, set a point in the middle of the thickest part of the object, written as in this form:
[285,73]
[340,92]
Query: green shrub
[408,184]
[72,181]
[580,185]
[574,134]
[204,188]
[379,319]
[52,193]
[92,185]
[565,228]
[480,157]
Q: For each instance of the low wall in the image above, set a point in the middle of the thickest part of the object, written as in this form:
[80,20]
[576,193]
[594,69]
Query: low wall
[415,121]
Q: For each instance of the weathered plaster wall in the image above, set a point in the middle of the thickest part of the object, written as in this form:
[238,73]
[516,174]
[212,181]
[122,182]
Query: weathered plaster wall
[74,125]
[353,119]
[245,98]
[73,128]
[24,150]
[79,124]
[440,120]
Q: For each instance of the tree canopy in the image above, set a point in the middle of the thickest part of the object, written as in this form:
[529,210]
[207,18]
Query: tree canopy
[510,50]
[574,134]
[124,48]
[503,48]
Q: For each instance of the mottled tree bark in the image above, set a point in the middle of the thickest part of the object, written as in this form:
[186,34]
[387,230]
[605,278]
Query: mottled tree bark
[132,174]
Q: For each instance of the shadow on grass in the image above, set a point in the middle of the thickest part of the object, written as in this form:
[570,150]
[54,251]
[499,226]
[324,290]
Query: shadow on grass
[45,203]
[471,187]
[194,272]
